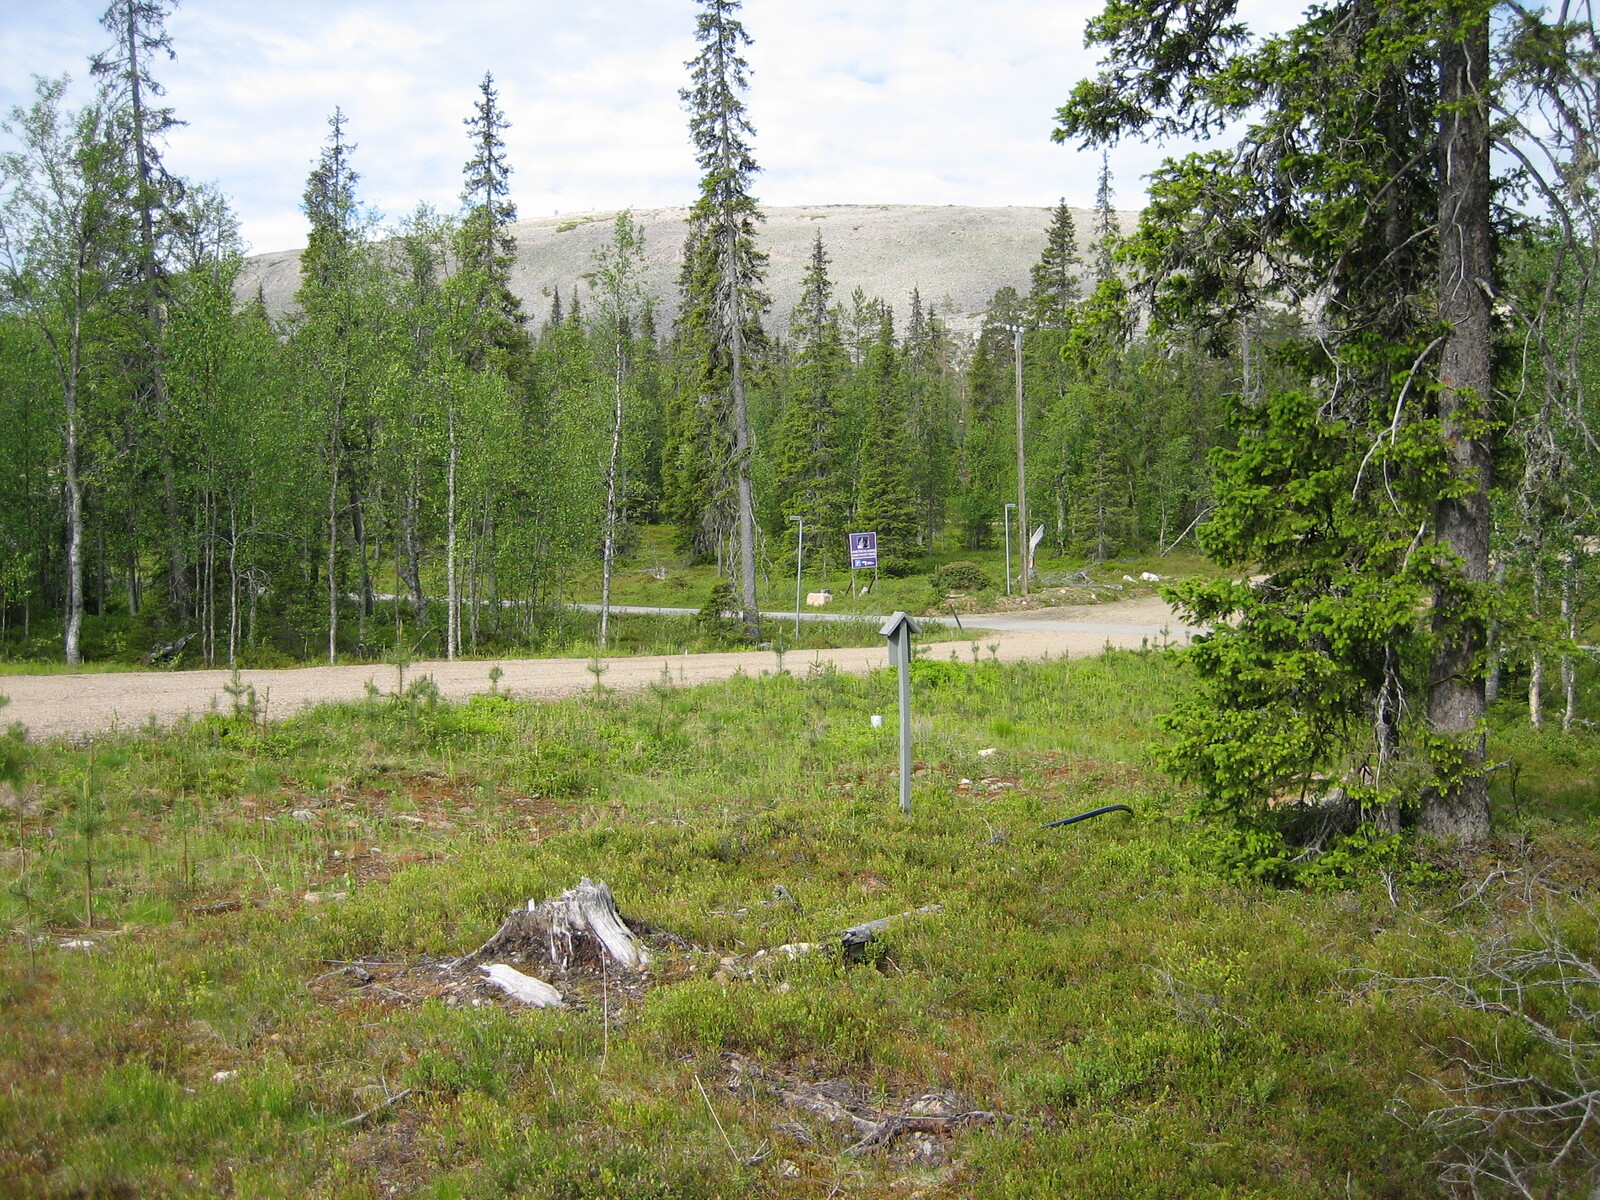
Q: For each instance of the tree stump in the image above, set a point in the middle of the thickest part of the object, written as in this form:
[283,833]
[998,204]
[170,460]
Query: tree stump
[580,928]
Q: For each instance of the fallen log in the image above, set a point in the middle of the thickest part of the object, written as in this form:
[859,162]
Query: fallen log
[523,988]
[579,928]
[854,939]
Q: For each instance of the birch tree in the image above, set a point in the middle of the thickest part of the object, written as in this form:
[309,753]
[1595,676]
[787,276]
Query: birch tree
[619,289]
[66,243]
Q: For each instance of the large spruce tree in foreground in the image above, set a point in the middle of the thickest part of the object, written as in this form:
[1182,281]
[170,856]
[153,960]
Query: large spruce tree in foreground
[722,300]
[1361,196]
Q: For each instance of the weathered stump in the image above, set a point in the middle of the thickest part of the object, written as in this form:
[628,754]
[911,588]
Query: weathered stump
[580,928]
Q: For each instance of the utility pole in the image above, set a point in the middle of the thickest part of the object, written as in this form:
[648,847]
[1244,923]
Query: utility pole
[799,561]
[1022,463]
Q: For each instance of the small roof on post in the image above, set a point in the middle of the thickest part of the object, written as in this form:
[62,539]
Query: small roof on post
[891,627]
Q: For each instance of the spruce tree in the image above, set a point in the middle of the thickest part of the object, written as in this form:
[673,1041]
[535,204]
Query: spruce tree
[930,415]
[488,249]
[1364,179]
[987,452]
[139,27]
[329,202]
[719,317]
[1055,282]
[1106,232]
[886,502]
[810,477]
[329,340]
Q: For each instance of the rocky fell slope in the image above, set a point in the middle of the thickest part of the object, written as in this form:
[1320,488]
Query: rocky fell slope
[956,256]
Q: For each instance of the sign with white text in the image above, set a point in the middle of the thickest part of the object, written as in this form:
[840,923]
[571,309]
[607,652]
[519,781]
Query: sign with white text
[863,551]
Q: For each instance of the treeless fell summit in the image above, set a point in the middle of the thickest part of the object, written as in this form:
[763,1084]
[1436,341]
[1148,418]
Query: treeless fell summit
[957,256]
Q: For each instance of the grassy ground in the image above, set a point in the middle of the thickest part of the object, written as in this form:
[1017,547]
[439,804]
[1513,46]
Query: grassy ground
[656,575]
[225,972]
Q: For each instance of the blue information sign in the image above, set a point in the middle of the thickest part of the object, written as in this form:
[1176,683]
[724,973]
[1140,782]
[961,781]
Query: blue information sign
[863,551]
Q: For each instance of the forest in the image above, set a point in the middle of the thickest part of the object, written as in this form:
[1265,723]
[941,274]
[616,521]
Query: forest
[178,463]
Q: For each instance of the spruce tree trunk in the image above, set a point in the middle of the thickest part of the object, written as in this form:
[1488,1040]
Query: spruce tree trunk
[1458,809]
[178,591]
[741,455]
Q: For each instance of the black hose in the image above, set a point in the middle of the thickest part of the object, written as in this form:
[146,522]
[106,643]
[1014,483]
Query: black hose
[1094,812]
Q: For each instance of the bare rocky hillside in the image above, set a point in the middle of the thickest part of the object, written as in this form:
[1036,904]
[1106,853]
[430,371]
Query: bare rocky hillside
[957,256]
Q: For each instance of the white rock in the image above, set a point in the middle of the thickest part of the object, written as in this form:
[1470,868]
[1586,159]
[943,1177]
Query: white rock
[790,950]
[988,752]
[223,1076]
[524,988]
[76,944]
[1150,577]
[303,815]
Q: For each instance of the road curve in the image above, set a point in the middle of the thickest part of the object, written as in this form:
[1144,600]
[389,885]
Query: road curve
[83,706]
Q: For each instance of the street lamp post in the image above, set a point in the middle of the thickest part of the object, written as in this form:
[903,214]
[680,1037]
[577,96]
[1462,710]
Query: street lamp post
[1006,520]
[799,562]
[1022,461]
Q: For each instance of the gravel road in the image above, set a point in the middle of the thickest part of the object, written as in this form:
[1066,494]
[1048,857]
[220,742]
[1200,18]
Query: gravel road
[78,707]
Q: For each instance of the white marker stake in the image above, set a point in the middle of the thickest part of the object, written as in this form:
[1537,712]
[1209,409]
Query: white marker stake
[898,629]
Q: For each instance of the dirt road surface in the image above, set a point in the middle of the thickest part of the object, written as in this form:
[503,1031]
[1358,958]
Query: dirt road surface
[80,706]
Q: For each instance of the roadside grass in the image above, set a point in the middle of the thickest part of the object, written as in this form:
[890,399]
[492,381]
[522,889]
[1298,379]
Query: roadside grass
[224,970]
[574,635]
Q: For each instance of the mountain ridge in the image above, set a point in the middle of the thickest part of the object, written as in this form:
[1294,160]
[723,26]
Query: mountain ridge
[957,256]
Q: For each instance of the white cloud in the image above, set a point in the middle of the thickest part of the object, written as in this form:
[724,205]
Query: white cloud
[933,102]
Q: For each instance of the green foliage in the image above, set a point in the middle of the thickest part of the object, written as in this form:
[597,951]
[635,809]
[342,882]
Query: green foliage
[885,501]
[961,576]
[1192,1006]
[721,608]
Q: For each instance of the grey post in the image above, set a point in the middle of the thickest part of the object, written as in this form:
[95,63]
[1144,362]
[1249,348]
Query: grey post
[799,561]
[1006,519]
[898,629]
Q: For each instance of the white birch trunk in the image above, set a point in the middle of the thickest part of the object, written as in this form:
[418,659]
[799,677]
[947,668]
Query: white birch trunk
[72,639]
[608,551]
[452,640]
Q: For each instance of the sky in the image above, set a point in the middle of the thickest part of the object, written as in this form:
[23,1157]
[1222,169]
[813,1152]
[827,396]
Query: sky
[866,102]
